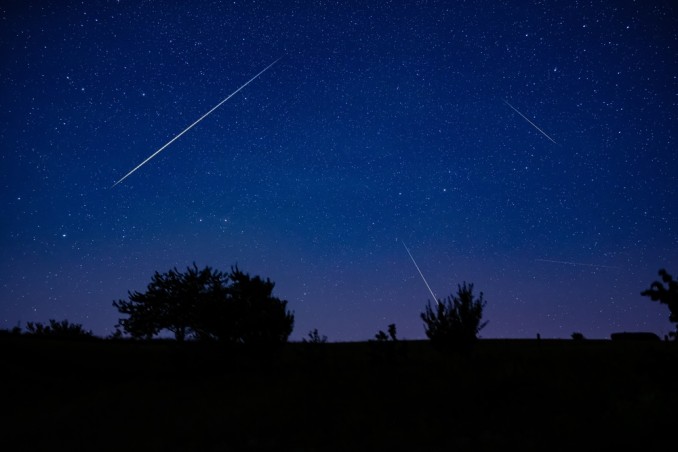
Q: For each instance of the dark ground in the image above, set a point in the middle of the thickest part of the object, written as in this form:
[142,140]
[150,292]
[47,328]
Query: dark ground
[525,394]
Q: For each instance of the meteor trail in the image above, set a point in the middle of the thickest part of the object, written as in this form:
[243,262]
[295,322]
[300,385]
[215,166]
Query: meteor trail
[533,124]
[191,126]
[574,263]
[420,273]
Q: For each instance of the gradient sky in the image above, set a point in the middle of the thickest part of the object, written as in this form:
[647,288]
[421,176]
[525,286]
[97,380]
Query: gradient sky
[384,123]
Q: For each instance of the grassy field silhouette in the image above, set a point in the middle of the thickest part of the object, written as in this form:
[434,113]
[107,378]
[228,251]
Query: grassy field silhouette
[161,395]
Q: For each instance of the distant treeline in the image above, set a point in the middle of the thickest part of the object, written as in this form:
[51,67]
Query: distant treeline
[236,308]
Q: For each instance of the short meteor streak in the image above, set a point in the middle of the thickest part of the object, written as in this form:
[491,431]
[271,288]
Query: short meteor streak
[420,273]
[196,122]
[575,263]
[526,119]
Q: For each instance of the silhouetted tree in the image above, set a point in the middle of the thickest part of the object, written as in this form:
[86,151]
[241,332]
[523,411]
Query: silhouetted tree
[455,321]
[61,330]
[247,313]
[666,295]
[208,305]
[171,302]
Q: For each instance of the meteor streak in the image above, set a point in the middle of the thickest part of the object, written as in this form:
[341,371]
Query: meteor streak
[420,273]
[526,119]
[574,263]
[196,122]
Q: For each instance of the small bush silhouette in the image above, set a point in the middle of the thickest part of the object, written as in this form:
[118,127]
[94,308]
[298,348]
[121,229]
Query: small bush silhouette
[314,348]
[386,347]
[577,336]
[456,321]
[315,338]
[384,337]
[381,336]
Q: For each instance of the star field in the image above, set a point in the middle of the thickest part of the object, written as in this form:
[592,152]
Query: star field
[383,122]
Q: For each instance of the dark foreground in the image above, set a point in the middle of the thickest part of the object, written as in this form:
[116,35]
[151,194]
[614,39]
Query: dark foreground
[533,395]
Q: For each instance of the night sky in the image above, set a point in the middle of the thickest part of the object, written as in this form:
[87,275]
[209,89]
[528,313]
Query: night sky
[384,123]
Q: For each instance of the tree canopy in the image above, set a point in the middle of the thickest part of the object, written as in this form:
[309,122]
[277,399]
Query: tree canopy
[207,304]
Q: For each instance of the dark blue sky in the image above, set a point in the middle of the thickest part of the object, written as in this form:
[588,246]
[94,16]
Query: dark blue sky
[383,122]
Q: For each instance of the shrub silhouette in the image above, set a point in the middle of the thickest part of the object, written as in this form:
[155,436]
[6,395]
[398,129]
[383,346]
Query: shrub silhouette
[666,295]
[314,347]
[383,337]
[577,336]
[392,332]
[455,321]
[60,330]
[315,338]
[208,305]
[386,347]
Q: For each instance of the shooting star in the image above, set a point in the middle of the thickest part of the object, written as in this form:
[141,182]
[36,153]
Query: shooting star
[420,273]
[196,122]
[526,119]
[575,263]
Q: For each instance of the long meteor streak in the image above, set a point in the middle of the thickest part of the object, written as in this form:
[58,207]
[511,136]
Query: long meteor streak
[526,119]
[420,273]
[196,122]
